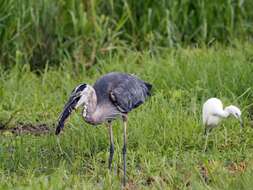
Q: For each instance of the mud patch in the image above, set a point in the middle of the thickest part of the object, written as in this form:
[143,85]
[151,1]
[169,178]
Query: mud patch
[204,173]
[130,185]
[235,168]
[27,128]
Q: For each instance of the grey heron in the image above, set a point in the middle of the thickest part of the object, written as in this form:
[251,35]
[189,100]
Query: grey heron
[113,95]
[213,113]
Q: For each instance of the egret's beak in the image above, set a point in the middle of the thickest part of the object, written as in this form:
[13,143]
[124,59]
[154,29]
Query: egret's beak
[241,122]
[68,108]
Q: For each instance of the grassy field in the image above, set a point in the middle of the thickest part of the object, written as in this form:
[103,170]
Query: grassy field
[165,135]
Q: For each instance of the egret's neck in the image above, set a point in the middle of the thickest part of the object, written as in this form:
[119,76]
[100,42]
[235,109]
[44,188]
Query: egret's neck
[222,113]
[226,112]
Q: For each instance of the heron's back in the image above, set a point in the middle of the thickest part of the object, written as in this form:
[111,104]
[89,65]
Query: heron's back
[128,90]
[104,85]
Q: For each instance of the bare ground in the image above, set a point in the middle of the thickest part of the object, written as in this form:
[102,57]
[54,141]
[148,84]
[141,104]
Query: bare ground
[27,128]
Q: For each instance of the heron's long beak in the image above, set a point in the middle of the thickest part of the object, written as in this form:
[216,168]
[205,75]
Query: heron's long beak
[68,108]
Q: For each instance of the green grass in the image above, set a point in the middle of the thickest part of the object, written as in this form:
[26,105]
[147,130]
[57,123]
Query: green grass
[165,135]
[50,31]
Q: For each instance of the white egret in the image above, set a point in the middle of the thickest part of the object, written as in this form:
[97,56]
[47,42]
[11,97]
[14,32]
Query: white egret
[213,112]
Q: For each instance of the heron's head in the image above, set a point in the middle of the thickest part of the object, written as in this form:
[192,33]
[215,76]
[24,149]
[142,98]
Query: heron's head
[79,96]
[236,112]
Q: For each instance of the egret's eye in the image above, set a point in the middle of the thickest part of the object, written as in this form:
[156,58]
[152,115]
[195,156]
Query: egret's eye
[237,115]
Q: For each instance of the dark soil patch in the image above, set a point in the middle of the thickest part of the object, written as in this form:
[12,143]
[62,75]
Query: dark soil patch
[204,173]
[237,167]
[27,128]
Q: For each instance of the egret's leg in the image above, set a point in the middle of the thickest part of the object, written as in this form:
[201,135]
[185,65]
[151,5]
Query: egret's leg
[111,150]
[207,131]
[206,142]
[226,136]
[124,150]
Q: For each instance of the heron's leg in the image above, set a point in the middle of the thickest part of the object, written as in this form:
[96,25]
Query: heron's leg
[124,150]
[111,150]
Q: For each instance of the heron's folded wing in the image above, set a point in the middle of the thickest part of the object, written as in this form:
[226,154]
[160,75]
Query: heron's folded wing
[130,93]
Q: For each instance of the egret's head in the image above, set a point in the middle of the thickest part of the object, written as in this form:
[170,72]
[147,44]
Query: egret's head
[79,96]
[236,112]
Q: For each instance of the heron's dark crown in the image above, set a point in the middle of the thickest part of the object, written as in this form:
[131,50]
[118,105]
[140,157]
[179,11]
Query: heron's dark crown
[79,88]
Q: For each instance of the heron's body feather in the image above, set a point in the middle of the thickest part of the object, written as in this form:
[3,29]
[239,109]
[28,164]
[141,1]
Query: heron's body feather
[114,94]
[117,94]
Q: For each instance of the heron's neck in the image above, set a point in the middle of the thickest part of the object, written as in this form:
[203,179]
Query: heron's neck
[96,113]
[90,106]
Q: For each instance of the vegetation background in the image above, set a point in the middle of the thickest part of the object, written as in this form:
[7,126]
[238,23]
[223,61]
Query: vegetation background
[188,50]
[41,32]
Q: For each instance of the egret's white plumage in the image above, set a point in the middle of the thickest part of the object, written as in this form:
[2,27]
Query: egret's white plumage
[213,112]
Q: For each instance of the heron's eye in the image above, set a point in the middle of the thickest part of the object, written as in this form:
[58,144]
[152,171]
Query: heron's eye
[78,98]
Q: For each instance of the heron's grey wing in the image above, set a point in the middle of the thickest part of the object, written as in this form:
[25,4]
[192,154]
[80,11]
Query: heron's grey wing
[130,93]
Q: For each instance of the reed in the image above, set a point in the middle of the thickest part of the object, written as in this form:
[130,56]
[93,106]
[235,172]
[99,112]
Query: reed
[43,32]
